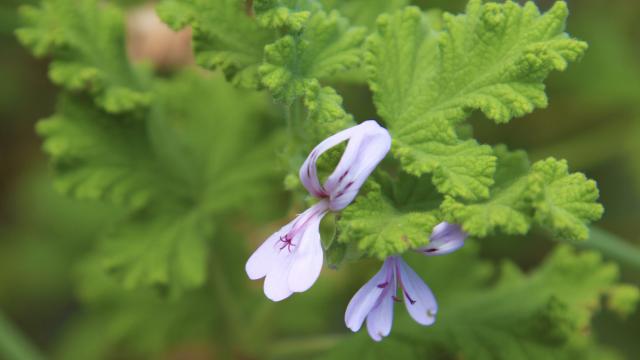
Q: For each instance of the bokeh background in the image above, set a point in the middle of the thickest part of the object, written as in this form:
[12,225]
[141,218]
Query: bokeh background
[593,121]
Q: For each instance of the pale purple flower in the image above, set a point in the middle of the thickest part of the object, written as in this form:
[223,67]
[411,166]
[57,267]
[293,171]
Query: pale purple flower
[445,238]
[374,301]
[291,259]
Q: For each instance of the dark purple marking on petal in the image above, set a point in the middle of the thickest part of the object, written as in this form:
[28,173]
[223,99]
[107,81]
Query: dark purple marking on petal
[408,297]
[343,175]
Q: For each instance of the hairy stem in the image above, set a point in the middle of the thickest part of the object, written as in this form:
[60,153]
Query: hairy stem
[13,345]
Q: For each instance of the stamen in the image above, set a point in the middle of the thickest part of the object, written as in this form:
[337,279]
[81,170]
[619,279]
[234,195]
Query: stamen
[287,242]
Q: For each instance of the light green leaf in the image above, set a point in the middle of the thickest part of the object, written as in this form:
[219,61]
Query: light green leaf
[225,37]
[507,209]
[425,81]
[325,113]
[365,12]
[87,42]
[326,46]
[381,228]
[288,14]
[563,202]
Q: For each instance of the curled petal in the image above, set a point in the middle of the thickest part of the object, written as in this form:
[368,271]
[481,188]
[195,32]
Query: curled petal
[308,257]
[309,172]
[368,145]
[418,298]
[368,296]
[445,238]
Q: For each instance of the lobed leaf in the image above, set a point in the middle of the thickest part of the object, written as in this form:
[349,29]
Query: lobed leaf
[428,78]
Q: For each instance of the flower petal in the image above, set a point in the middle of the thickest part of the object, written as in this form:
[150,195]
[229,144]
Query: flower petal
[368,145]
[276,284]
[367,297]
[263,259]
[380,318]
[445,238]
[418,298]
[308,171]
[308,257]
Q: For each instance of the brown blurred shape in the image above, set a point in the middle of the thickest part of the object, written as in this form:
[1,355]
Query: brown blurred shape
[149,39]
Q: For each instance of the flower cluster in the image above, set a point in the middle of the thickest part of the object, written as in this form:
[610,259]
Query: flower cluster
[291,259]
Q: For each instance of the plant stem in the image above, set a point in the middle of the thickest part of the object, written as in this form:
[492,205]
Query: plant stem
[13,344]
[613,247]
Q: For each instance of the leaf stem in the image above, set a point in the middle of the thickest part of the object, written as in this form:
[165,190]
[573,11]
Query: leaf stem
[13,344]
[613,247]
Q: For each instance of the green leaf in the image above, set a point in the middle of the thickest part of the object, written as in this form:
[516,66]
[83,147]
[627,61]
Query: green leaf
[224,36]
[507,209]
[545,193]
[87,42]
[563,202]
[288,14]
[98,156]
[159,249]
[327,45]
[365,12]
[425,81]
[382,228]
[177,169]
[325,113]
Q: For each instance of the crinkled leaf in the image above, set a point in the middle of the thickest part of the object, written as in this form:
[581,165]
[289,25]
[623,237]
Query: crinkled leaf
[288,14]
[87,42]
[507,208]
[365,12]
[493,59]
[381,228]
[327,45]
[563,202]
[224,36]
[325,112]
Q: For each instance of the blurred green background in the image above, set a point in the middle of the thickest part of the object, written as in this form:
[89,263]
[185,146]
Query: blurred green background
[593,121]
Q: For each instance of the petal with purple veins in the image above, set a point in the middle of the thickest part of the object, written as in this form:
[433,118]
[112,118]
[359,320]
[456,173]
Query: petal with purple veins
[380,318]
[418,298]
[308,257]
[367,297]
[445,238]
